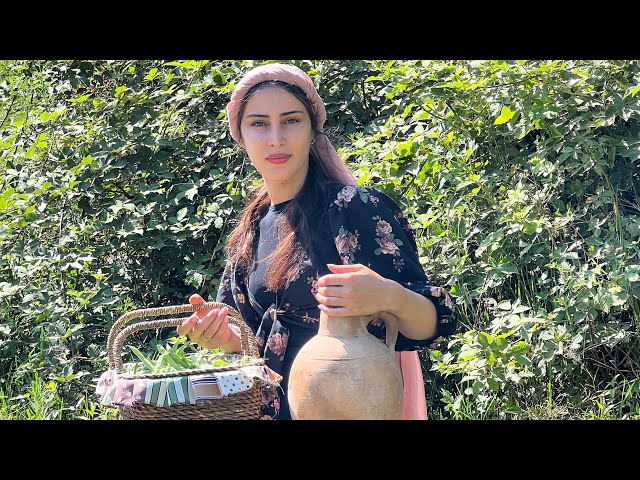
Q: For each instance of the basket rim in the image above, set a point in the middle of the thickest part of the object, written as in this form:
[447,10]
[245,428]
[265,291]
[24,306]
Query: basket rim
[119,332]
[189,372]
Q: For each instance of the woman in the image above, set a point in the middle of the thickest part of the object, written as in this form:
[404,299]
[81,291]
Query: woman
[310,239]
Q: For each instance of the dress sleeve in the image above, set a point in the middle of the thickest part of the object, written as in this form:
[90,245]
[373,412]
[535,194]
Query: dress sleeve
[369,228]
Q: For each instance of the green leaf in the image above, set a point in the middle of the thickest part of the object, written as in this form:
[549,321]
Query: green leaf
[79,99]
[181,213]
[152,74]
[505,115]
[7,289]
[504,305]
[522,360]
[634,90]
[484,338]
[191,193]
[149,365]
[493,385]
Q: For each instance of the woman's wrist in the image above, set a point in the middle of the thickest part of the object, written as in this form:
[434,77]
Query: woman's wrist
[416,313]
[395,294]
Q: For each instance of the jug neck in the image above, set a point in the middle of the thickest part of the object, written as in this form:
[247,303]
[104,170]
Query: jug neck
[343,326]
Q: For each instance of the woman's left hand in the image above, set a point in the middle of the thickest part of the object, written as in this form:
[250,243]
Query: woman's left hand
[352,290]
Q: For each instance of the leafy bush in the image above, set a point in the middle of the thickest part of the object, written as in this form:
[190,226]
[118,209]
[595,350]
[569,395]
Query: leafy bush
[120,183]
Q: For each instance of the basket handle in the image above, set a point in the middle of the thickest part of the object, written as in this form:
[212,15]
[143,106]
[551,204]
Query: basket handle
[118,332]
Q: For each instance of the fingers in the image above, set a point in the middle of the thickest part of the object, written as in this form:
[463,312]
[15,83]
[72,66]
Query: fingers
[329,301]
[337,268]
[342,274]
[186,327]
[211,330]
[196,299]
[222,336]
[334,296]
[218,326]
[332,280]
[336,291]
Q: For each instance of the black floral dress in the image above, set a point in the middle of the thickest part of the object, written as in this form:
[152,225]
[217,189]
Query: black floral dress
[358,225]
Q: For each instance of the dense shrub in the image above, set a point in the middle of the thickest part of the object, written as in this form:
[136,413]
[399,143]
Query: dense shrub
[120,183]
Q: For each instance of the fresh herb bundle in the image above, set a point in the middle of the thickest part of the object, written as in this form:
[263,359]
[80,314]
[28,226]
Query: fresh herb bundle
[181,354]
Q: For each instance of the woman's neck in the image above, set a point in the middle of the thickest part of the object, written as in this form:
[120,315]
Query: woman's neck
[280,192]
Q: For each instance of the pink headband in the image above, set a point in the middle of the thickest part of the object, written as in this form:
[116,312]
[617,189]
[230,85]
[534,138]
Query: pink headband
[294,76]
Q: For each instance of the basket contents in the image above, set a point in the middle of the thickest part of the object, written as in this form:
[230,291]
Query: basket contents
[174,357]
[166,391]
[181,381]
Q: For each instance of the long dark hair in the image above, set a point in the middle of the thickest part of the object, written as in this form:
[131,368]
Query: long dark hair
[294,226]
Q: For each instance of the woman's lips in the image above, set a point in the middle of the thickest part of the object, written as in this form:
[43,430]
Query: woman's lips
[277,159]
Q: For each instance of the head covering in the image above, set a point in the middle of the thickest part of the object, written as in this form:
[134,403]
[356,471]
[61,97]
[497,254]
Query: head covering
[414,405]
[294,76]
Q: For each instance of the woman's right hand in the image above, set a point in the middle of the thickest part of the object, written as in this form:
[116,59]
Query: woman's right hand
[209,328]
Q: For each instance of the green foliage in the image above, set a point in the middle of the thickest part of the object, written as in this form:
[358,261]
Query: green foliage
[179,354]
[119,183]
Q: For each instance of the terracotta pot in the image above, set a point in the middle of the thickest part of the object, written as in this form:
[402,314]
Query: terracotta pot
[345,373]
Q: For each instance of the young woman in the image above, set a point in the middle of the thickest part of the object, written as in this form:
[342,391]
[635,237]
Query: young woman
[310,239]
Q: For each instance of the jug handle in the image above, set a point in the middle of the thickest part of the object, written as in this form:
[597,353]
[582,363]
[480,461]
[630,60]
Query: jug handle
[391,323]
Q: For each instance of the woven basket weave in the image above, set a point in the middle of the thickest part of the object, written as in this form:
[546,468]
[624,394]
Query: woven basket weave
[243,405]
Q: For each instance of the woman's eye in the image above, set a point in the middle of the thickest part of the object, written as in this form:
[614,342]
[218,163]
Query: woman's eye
[258,123]
[291,120]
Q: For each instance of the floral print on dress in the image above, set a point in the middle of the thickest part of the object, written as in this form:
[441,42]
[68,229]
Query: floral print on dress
[269,410]
[345,195]
[313,281]
[347,244]
[240,297]
[398,264]
[442,294]
[277,343]
[383,228]
[388,244]
[437,342]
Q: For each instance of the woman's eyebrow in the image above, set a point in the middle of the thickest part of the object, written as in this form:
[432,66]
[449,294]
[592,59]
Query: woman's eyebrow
[284,114]
[289,113]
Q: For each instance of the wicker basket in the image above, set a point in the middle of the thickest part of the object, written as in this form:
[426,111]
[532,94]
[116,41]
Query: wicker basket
[244,405]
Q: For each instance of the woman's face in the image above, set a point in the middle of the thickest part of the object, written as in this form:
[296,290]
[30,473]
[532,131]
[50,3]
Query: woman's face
[277,133]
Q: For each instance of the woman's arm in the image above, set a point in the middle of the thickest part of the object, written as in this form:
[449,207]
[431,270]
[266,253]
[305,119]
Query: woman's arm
[381,270]
[357,290]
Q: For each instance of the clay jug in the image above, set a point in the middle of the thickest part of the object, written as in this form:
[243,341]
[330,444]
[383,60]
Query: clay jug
[345,373]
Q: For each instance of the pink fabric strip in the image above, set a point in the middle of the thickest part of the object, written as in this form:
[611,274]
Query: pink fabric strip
[415,406]
[415,403]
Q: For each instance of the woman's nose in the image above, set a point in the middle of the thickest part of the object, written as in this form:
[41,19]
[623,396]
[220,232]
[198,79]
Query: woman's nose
[276,136]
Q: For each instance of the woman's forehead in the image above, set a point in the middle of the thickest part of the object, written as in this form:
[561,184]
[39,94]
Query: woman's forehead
[272,99]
